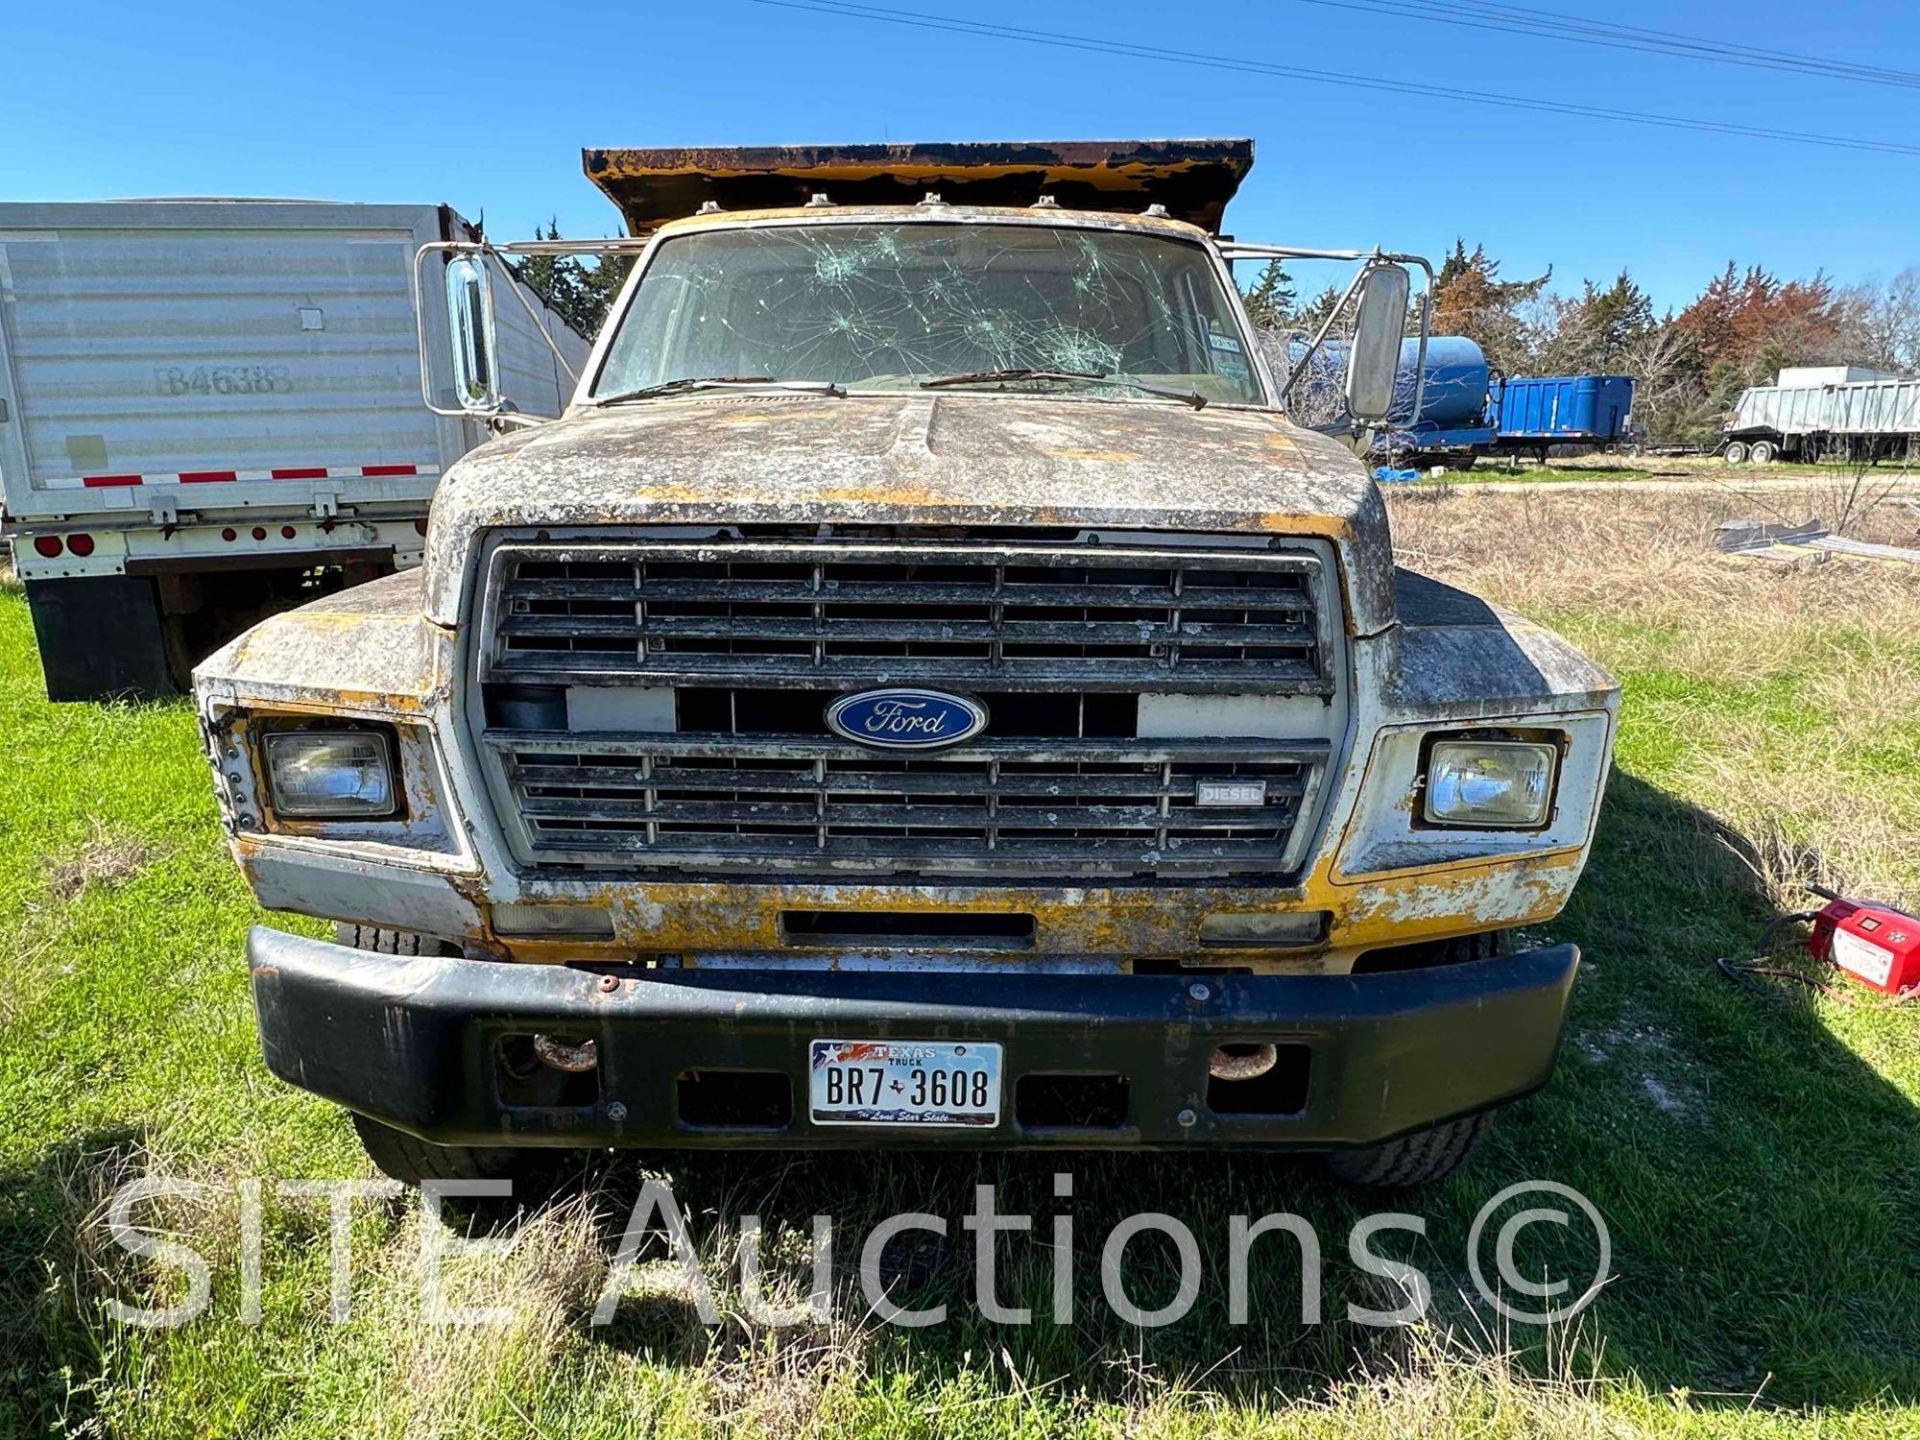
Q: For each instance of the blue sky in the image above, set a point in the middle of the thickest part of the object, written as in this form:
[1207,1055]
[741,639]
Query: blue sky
[486,107]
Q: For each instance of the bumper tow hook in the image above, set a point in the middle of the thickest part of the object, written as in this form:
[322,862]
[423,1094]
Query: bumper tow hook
[574,1059]
[1239,1062]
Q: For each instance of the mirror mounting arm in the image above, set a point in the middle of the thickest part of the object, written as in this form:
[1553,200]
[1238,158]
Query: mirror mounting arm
[470,320]
[1231,250]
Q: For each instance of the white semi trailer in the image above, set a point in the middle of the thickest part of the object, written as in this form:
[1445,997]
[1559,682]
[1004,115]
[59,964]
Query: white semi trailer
[1834,411]
[210,409]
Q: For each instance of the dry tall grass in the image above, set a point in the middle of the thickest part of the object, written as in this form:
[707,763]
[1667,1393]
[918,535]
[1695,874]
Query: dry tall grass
[1792,687]
[544,1372]
[1730,652]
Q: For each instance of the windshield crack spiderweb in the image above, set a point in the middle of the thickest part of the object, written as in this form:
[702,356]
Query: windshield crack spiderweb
[895,304]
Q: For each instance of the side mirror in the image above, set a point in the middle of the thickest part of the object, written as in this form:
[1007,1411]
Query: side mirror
[476,379]
[1379,323]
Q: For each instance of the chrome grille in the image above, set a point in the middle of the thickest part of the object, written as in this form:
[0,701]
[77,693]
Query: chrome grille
[724,802]
[692,613]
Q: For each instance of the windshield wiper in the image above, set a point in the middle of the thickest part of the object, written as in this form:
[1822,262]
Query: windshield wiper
[718,382]
[987,377]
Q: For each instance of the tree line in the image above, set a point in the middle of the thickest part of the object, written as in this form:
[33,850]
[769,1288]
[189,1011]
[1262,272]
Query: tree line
[1690,364]
[581,291]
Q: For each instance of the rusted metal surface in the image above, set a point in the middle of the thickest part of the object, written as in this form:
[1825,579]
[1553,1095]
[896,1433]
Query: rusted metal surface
[1192,179]
[1459,654]
[920,460]
[369,648]
[713,474]
[366,652]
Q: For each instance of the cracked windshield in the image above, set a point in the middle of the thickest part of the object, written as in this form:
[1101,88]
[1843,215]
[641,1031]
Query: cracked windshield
[893,306]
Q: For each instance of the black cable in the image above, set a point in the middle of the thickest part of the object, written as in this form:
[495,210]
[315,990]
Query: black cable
[1772,927]
[1056,40]
[1743,974]
[1540,24]
[1574,23]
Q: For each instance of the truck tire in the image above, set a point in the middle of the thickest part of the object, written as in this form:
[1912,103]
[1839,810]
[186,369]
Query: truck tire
[1432,1154]
[1417,1159]
[411,1160]
[389,942]
[1761,452]
[394,1153]
[1736,452]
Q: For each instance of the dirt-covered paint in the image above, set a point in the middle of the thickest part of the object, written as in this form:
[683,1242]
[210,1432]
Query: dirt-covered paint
[726,458]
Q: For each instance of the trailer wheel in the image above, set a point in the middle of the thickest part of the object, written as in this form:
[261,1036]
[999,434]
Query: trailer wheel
[1736,452]
[1761,452]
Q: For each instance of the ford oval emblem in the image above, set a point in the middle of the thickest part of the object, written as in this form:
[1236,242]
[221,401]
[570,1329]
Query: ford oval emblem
[906,719]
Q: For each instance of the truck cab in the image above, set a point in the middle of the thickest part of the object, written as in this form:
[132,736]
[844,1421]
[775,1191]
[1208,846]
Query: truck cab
[925,690]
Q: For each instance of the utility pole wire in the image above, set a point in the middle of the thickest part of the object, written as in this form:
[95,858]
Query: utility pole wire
[1568,27]
[925,21]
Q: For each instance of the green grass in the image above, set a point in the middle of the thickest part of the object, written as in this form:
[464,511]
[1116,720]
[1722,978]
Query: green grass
[1757,1157]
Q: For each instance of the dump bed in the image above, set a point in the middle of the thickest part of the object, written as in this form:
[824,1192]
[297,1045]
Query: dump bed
[255,356]
[1867,407]
[1565,407]
[1192,179]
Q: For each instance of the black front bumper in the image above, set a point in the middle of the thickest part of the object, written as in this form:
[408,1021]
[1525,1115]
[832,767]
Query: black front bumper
[417,1043]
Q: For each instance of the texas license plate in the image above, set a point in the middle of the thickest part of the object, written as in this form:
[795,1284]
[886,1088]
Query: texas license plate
[904,1082]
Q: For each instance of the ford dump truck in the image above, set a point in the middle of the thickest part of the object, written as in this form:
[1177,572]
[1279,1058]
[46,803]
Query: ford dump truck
[924,691]
[210,410]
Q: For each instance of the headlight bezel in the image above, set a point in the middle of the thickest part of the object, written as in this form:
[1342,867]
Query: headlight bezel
[1551,746]
[284,733]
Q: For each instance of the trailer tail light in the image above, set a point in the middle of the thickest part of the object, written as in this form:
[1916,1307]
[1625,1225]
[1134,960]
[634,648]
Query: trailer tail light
[47,546]
[1875,944]
[81,545]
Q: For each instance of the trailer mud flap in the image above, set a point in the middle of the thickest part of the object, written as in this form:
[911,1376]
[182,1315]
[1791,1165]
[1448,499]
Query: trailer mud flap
[102,637]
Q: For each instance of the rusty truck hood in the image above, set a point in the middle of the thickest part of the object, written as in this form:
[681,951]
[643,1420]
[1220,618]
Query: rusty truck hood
[918,459]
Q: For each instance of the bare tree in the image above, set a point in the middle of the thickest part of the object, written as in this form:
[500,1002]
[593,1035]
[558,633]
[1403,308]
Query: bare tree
[1883,322]
[1667,396]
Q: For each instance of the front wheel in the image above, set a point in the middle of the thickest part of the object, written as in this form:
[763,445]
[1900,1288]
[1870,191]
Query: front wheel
[394,1153]
[1417,1159]
[411,1160]
[1736,452]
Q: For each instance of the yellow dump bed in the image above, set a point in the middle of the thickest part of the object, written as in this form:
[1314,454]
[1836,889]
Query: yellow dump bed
[1193,179]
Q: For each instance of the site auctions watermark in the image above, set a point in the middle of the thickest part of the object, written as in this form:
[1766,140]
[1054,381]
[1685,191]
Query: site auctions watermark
[657,1221]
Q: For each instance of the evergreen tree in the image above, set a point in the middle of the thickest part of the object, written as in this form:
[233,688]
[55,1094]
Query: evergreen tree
[1470,299]
[580,293]
[1271,298]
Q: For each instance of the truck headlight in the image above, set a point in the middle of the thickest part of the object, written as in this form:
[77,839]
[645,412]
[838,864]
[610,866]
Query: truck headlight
[330,773]
[1489,784]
